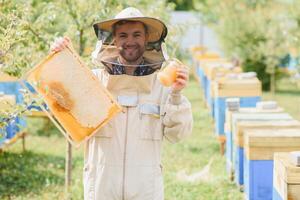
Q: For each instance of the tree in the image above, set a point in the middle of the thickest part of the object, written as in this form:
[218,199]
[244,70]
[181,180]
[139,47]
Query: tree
[27,28]
[253,31]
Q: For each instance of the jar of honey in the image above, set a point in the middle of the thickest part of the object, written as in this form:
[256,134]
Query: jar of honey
[167,76]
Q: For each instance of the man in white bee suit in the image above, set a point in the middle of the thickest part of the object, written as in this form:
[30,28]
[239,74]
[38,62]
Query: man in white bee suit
[123,160]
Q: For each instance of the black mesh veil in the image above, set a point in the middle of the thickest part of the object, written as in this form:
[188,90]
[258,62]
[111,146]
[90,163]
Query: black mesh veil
[106,53]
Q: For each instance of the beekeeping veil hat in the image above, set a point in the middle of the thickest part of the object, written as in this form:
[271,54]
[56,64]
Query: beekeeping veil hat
[106,52]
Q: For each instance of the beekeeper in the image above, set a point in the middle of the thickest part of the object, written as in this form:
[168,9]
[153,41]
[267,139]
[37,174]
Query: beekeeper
[123,160]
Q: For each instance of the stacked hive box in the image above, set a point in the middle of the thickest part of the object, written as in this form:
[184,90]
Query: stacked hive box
[286,178]
[243,113]
[260,146]
[247,90]
[202,60]
[9,86]
[278,122]
[7,132]
[228,126]
[237,136]
[196,52]
[212,71]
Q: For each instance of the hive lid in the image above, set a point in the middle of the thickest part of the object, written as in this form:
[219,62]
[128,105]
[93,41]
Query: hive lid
[241,110]
[213,69]
[204,63]
[237,87]
[263,116]
[79,105]
[267,105]
[261,110]
[242,126]
[285,169]
[261,144]
[254,116]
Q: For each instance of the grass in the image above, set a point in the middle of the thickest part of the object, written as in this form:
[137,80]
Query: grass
[39,172]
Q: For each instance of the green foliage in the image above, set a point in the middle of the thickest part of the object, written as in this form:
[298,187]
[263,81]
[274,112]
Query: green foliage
[183,4]
[256,32]
[29,172]
[28,27]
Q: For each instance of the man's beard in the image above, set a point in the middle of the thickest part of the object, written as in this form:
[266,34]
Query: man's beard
[134,55]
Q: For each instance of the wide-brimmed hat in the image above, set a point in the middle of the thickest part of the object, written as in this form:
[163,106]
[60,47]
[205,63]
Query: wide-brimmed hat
[157,30]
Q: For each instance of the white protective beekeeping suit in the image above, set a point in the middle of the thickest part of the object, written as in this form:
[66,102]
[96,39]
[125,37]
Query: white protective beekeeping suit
[123,160]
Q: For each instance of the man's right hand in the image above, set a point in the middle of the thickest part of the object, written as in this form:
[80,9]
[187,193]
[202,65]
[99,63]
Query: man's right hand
[60,44]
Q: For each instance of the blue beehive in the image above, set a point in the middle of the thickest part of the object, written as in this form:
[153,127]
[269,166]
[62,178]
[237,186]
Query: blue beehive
[248,91]
[10,86]
[260,146]
[286,181]
[253,120]
[213,71]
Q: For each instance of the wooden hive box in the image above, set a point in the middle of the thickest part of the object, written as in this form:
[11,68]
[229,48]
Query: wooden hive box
[260,146]
[249,110]
[286,178]
[215,70]
[228,124]
[247,90]
[79,104]
[238,88]
[241,127]
[238,150]
[202,69]
[6,105]
[235,153]
[11,86]
[272,124]
[11,132]
[206,66]
[231,163]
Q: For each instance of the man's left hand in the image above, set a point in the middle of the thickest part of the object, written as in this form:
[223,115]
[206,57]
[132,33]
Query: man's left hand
[182,79]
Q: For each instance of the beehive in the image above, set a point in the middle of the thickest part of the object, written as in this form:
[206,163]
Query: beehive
[237,150]
[203,64]
[238,88]
[249,110]
[230,148]
[260,146]
[286,178]
[248,90]
[79,104]
[234,153]
[10,86]
[7,102]
[214,71]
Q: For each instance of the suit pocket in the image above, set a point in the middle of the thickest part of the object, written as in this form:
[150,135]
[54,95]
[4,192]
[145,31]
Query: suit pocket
[150,119]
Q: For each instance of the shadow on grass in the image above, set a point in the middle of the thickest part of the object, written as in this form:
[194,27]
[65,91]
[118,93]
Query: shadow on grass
[23,173]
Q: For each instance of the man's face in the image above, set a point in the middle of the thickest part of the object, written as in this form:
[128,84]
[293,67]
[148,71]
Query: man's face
[131,39]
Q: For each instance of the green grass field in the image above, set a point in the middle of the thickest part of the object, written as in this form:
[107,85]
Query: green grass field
[39,172]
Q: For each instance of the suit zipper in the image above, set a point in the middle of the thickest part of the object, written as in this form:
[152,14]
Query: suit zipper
[124,157]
